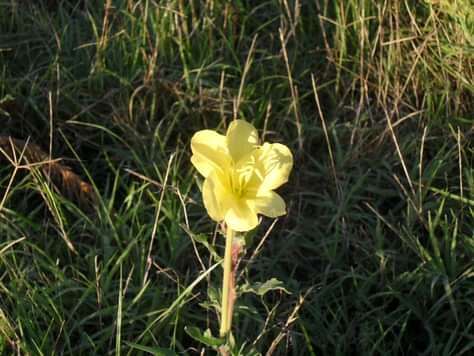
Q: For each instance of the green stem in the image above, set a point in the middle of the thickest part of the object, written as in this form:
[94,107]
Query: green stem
[236,251]
[225,318]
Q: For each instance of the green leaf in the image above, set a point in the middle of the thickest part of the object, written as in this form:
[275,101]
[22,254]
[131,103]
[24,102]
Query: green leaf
[157,351]
[260,288]
[205,338]
[203,240]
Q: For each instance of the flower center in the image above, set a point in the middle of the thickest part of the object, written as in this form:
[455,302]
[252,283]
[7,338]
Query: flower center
[245,175]
[237,183]
[239,179]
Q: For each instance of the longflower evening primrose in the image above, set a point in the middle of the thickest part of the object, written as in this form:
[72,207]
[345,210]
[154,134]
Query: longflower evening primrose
[240,174]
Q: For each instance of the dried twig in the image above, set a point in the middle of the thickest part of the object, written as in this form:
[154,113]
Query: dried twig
[68,182]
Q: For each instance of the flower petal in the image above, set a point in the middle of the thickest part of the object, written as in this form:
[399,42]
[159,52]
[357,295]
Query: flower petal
[242,138]
[209,151]
[241,216]
[215,196]
[274,165]
[269,204]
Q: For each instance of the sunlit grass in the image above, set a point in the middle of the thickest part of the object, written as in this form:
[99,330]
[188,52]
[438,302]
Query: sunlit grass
[375,99]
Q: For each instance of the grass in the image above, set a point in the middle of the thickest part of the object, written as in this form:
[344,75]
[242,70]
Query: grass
[375,99]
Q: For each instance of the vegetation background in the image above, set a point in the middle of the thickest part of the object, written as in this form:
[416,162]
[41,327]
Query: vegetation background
[109,250]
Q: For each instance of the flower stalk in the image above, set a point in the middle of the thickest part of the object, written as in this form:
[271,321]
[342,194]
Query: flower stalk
[227,285]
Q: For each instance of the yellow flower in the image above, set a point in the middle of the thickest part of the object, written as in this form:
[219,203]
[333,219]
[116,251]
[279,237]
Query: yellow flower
[240,175]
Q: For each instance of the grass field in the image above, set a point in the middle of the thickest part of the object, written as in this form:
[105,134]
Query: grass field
[105,245]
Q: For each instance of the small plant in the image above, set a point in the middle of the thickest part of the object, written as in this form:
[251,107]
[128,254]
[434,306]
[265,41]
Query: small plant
[240,178]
